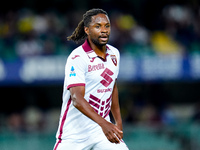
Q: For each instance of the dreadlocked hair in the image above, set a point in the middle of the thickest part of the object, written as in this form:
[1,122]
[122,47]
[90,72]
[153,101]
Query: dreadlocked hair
[79,33]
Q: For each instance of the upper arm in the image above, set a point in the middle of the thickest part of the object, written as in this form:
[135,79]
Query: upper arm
[77,91]
[77,95]
[115,91]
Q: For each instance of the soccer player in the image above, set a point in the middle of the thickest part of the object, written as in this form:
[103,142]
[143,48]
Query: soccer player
[90,91]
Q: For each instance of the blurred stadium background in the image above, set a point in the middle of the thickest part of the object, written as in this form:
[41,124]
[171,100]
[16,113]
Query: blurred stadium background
[159,80]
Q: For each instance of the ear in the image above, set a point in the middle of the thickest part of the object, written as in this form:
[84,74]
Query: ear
[86,29]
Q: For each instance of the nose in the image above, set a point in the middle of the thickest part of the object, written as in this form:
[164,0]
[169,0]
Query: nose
[104,29]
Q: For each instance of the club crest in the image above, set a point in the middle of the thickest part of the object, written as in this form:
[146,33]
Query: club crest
[114,59]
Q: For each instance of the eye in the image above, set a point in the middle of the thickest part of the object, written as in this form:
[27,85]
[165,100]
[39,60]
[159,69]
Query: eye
[107,26]
[97,27]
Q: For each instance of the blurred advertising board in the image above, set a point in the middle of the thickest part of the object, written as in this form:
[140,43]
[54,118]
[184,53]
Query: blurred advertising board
[50,69]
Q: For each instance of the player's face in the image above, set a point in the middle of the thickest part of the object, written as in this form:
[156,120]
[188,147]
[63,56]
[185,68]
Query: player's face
[99,29]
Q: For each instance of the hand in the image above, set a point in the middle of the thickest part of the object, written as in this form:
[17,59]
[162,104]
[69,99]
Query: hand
[119,126]
[112,133]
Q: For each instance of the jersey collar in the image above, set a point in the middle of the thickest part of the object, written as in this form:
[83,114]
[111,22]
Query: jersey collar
[90,52]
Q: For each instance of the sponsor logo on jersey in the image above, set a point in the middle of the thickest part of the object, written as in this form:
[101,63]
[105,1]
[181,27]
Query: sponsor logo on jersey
[75,56]
[92,59]
[95,67]
[72,72]
[107,73]
[104,90]
[114,59]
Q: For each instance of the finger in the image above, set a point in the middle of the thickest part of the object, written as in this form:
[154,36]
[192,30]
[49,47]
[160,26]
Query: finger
[118,130]
[119,133]
[113,138]
[110,138]
[117,139]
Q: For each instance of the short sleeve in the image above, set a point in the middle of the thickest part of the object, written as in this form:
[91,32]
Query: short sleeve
[118,61]
[75,70]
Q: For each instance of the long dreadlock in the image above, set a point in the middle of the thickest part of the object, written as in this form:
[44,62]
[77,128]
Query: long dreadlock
[79,33]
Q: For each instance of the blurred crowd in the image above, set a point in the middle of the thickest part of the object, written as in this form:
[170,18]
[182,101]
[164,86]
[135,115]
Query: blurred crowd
[38,109]
[26,33]
[31,119]
[34,119]
[151,104]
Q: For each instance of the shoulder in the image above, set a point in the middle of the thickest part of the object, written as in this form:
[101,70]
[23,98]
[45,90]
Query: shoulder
[77,59]
[78,50]
[113,49]
[77,54]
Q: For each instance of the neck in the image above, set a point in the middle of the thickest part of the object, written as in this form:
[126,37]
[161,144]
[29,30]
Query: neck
[100,50]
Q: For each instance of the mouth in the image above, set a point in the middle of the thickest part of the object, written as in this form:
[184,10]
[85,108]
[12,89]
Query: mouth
[104,38]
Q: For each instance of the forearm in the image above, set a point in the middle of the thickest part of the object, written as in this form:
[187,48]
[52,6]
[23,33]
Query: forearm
[112,132]
[84,107]
[77,96]
[117,117]
[115,108]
